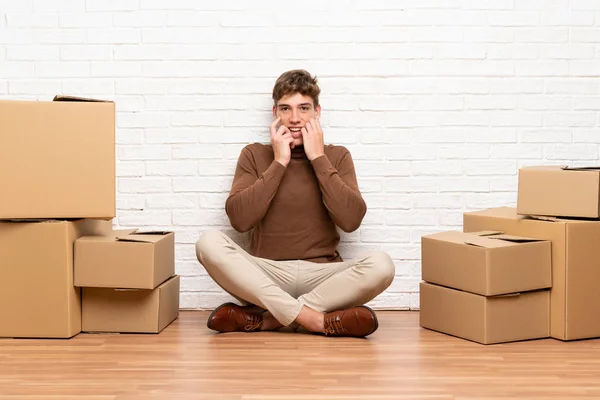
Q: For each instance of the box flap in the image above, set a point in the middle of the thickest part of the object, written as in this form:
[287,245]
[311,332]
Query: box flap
[492,239]
[60,97]
[497,296]
[544,167]
[516,239]
[33,221]
[592,168]
[143,237]
[543,218]
[109,237]
[476,244]
[486,233]
[140,232]
[484,242]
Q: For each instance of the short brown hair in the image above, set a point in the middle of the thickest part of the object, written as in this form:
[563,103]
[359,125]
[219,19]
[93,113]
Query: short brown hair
[296,81]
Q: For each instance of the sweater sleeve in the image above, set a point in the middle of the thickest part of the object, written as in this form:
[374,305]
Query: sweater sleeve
[340,191]
[251,193]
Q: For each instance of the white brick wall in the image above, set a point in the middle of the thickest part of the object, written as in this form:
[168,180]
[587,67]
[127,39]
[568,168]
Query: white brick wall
[440,102]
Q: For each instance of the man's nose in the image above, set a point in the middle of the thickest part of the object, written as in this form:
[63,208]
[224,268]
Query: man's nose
[295,117]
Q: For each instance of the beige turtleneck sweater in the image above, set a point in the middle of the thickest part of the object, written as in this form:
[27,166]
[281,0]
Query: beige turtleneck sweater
[293,210]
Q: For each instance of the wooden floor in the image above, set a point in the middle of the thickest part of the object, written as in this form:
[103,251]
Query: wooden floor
[399,361]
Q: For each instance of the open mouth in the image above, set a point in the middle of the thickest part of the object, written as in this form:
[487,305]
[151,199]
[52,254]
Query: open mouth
[295,130]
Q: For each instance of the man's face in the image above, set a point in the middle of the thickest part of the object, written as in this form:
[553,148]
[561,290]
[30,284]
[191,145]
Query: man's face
[295,110]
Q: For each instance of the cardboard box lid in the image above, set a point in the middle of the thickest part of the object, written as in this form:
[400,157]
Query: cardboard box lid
[486,262]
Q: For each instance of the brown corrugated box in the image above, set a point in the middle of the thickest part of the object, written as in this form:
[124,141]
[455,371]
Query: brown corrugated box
[575,294]
[559,191]
[127,259]
[487,263]
[129,310]
[37,296]
[487,320]
[58,159]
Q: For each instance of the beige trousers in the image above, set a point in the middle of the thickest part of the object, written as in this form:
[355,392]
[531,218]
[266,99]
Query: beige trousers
[283,287]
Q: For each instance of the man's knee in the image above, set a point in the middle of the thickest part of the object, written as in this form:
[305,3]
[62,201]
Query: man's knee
[208,241]
[381,268]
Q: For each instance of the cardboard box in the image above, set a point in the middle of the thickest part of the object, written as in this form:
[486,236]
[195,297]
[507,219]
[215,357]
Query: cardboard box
[127,259]
[486,320]
[131,310]
[37,296]
[559,191]
[58,159]
[487,263]
[575,293]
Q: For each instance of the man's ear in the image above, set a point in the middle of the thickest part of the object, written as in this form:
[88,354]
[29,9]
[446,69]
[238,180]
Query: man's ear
[274,112]
[318,111]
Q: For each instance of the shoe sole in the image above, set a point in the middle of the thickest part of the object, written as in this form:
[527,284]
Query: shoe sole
[213,313]
[374,317]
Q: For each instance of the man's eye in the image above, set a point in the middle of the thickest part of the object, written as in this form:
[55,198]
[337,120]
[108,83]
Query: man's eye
[304,108]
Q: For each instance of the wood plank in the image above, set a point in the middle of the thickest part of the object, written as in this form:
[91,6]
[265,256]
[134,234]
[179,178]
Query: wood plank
[399,361]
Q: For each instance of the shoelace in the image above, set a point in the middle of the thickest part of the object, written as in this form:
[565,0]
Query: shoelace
[254,323]
[333,325]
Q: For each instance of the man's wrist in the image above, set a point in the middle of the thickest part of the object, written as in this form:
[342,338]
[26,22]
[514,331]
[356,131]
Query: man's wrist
[285,164]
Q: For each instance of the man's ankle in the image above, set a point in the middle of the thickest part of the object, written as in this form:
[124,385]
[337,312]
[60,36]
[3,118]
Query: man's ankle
[311,319]
[320,323]
[269,322]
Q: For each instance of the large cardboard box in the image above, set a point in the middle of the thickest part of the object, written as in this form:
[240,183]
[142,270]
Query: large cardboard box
[482,319]
[575,294]
[58,159]
[131,310]
[126,259]
[487,263]
[37,296]
[559,191]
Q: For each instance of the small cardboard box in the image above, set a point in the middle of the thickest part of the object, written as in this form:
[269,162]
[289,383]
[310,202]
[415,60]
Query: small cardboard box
[487,263]
[486,320]
[559,191]
[58,159]
[575,294]
[127,259]
[130,310]
[37,296]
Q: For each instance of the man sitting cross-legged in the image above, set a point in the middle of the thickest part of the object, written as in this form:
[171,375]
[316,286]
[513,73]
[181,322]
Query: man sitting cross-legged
[292,194]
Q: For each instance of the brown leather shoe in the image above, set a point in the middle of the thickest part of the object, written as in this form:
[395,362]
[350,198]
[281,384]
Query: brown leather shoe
[230,317]
[357,321]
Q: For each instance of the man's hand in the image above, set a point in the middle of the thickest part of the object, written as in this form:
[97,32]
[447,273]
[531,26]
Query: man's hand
[312,136]
[281,139]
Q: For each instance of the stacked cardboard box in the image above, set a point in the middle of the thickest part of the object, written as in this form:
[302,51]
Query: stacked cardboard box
[562,205]
[57,174]
[37,296]
[128,280]
[556,204]
[486,286]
